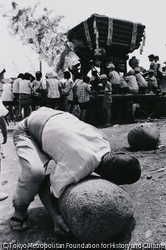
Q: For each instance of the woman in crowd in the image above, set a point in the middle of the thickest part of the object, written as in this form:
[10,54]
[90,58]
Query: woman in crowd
[7,98]
[25,91]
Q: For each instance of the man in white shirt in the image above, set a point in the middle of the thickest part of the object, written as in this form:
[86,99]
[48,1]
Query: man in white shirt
[74,148]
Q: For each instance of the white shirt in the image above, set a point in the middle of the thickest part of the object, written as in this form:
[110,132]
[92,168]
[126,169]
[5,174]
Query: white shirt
[76,147]
[25,87]
[16,85]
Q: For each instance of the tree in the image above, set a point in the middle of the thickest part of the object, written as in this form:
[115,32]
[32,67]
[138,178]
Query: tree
[43,33]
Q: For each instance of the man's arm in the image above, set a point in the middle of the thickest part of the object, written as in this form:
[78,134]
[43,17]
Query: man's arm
[60,226]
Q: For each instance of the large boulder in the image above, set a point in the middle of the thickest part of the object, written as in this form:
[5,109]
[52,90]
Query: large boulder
[95,209]
[144,136]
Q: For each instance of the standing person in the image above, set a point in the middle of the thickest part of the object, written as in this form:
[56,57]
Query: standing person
[152,82]
[107,101]
[25,91]
[7,98]
[75,149]
[68,92]
[76,108]
[133,89]
[53,90]
[114,78]
[151,60]
[3,135]
[16,87]
[36,86]
[83,90]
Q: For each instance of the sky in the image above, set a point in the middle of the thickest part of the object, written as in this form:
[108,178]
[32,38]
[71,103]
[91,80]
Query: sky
[16,57]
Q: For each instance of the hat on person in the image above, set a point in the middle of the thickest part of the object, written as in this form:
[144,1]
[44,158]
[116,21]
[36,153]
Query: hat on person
[111,65]
[103,77]
[7,80]
[137,69]
[50,74]
[131,72]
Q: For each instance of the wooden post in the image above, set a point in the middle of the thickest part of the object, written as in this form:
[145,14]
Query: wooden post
[41,66]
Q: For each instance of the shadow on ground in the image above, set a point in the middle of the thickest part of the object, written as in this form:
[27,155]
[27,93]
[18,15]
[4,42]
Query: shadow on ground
[41,231]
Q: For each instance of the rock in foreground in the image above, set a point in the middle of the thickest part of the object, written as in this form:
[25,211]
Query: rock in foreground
[144,136]
[95,209]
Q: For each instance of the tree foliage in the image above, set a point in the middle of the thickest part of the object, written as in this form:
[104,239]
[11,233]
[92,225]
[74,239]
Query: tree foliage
[42,32]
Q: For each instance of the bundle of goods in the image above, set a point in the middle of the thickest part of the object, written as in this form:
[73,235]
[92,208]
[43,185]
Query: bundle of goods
[103,37]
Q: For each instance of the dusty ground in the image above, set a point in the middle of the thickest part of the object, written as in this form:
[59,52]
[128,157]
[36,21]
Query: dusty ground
[148,195]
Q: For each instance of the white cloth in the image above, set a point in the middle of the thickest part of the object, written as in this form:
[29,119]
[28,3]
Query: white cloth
[25,87]
[76,147]
[7,94]
[16,85]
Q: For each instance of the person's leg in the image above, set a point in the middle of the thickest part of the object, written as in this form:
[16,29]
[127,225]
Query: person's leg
[108,121]
[32,161]
[83,114]
[60,226]
[119,168]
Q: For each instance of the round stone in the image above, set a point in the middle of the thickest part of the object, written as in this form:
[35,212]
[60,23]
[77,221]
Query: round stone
[144,136]
[95,209]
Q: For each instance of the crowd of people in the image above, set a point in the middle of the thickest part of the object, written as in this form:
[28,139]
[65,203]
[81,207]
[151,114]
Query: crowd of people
[72,93]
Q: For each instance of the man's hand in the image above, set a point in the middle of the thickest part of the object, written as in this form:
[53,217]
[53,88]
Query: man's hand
[60,226]
[3,129]
[50,203]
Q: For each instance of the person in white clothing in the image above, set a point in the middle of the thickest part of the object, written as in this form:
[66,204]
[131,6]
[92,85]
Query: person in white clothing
[53,90]
[25,91]
[3,136]
[74,148]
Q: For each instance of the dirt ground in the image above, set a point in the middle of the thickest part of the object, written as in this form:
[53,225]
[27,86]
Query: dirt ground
[148,228]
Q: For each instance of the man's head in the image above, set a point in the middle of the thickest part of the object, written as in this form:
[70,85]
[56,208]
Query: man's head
[131,72]
[119,168]
[137,70]
[38,75]
[66,74]
[111,67]
[151,57]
